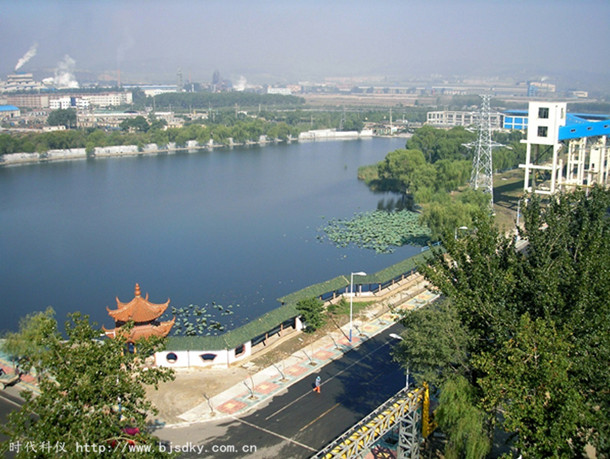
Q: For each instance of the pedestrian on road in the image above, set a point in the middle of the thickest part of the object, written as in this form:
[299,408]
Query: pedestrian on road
[318,383]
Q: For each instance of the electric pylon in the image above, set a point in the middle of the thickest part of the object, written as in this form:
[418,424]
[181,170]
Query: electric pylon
[482,167]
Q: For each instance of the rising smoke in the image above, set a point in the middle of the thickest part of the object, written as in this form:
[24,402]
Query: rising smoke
[241,84]
[64,75]
[27,56]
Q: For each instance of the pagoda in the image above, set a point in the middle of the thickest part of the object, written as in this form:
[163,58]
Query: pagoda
[144,316]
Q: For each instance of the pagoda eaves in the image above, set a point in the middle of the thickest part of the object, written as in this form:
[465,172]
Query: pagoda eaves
[139,309]
[143,314]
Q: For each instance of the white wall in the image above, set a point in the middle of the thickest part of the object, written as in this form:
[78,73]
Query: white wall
[184,359]
[556,118]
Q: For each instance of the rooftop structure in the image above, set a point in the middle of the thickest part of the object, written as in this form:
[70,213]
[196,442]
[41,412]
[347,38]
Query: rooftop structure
[565,150]
[144,316]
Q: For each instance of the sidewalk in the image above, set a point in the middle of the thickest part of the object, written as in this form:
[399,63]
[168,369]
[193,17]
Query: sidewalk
[259,387]
[27,381]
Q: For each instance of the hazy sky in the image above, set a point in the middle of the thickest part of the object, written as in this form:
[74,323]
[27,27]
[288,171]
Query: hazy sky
[281,41]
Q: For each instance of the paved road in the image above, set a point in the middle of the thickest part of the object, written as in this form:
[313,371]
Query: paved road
[299,422]
[8,403]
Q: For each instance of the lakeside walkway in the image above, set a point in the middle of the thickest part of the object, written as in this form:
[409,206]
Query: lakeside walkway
[247,387]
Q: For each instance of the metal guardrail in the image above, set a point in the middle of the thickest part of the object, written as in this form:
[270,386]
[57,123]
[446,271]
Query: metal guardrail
[400,409]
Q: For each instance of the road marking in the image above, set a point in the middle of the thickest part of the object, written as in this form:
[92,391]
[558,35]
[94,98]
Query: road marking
[316,419]
[270,432]
[329,379]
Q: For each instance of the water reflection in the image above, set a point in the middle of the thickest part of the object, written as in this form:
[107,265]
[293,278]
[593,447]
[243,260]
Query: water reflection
[395,202]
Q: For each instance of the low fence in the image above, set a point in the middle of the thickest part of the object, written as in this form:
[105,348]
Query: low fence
[241,342]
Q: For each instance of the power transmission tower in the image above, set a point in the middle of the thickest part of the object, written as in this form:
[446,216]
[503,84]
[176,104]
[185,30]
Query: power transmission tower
[482,168]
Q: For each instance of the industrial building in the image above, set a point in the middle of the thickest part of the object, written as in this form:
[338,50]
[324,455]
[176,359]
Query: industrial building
[20,82]
[564,150]
[452,118]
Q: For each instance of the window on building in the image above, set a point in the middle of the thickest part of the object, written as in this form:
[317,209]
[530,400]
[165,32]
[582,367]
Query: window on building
[543,131]
[543,112]
[171,357]
[207,357]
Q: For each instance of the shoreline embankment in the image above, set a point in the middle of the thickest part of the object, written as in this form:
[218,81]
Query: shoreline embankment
[192,146]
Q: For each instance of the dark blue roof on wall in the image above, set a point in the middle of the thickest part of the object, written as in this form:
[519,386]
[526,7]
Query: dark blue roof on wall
[515,112]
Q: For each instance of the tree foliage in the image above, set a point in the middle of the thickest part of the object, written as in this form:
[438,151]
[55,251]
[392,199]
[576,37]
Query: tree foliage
[27,347]
[437,144]
[434,361]
[91,390]
[464,422]
[62,117]
[312,312]
[536,321]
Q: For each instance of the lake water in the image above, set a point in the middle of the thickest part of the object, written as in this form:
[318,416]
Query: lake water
[233,226]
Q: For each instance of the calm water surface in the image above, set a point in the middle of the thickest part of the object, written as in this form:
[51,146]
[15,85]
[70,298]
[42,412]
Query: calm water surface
[235,226]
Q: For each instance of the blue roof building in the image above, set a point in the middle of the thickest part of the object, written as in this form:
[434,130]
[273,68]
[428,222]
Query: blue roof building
[569,149]
[9,111]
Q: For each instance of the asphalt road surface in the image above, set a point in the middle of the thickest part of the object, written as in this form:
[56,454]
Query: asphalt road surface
[8,403]
[300,422]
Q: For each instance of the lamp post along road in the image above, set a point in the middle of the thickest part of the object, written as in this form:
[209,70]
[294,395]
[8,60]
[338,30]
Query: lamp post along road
[462,228]
[395,336]
[351,297]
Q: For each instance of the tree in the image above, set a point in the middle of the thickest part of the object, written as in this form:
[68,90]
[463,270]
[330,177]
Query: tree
[28,345]
[407,170]
[538,335]
[92,389]
[465,423]
[438,144]
[434,345]
[138,124]
[312,312]
[529,381]
[62,117]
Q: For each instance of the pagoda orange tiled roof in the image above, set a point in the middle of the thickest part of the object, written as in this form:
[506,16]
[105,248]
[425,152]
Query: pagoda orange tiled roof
[139,309]
[142,331]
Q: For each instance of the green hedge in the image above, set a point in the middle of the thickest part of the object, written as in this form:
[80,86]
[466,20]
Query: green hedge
[288,310]
[315,290]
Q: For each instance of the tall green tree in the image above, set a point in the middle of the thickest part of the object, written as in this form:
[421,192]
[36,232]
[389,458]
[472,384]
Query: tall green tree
[536,320]
[407,170]
[529,380]
[91,390]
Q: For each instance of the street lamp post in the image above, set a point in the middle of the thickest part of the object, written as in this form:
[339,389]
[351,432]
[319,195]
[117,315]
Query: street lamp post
[395,336]
[460,228]
[361,273]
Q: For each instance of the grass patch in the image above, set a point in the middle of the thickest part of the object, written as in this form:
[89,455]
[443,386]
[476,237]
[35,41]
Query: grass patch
[508,189]
[342,307]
